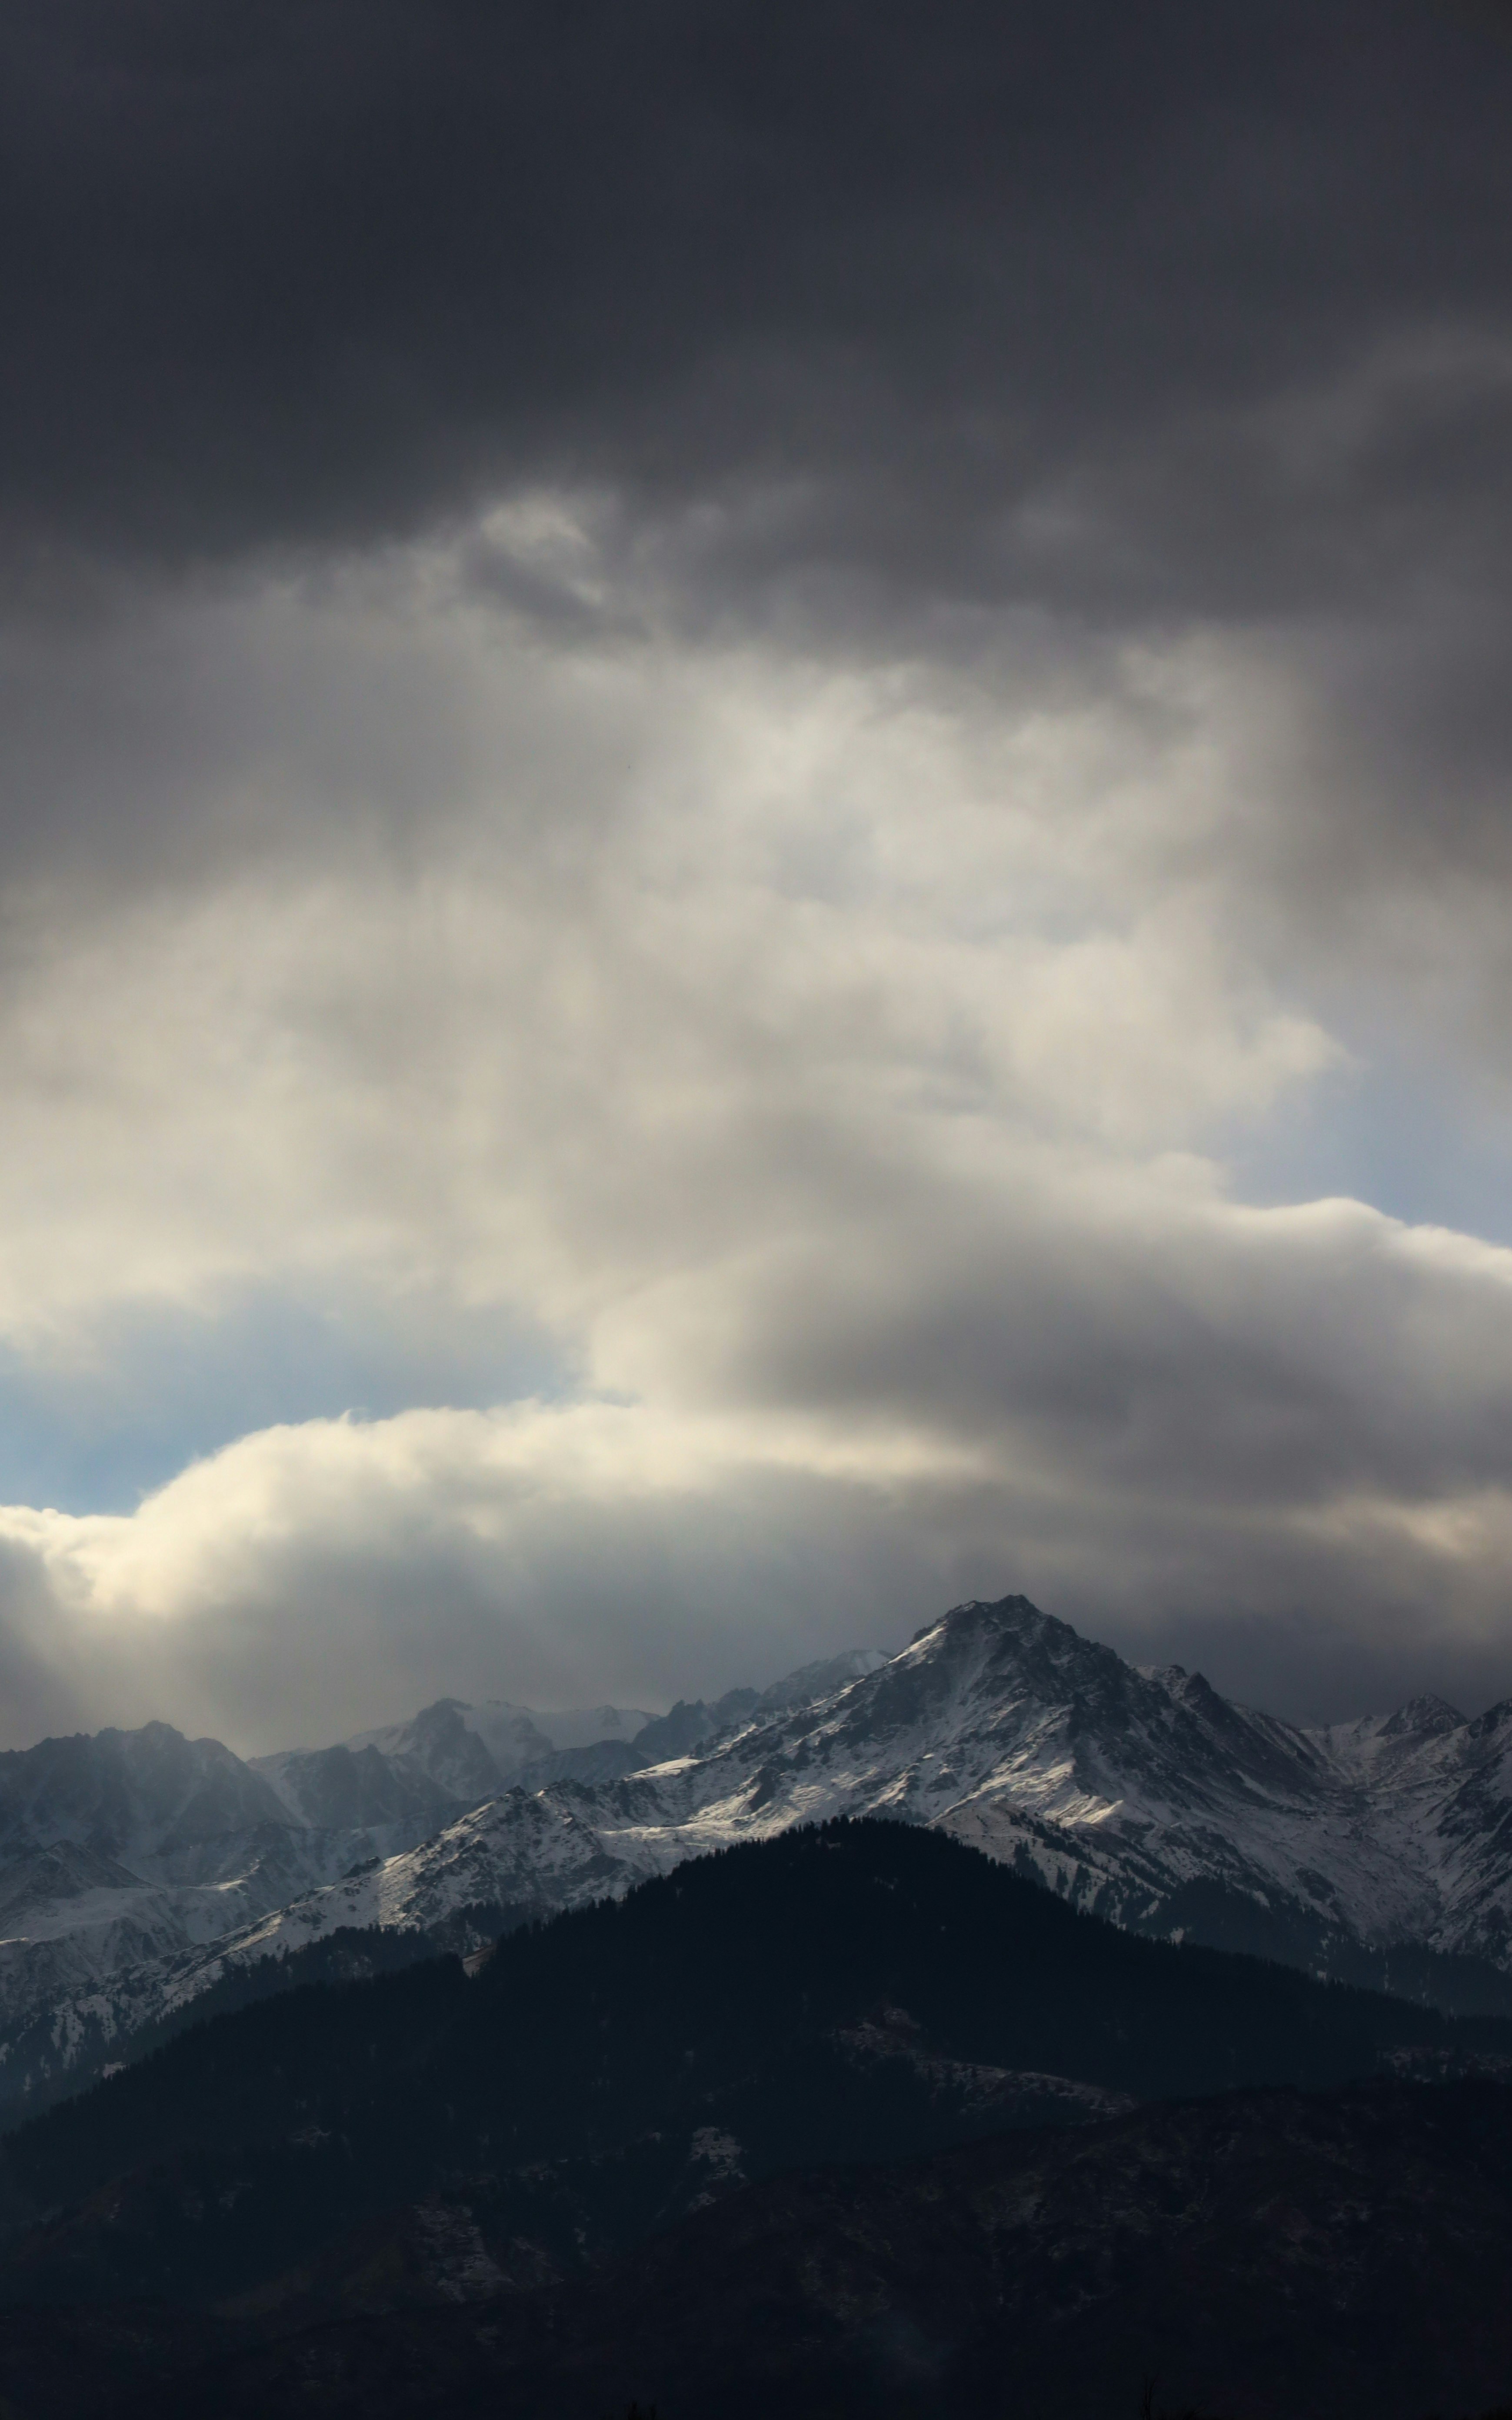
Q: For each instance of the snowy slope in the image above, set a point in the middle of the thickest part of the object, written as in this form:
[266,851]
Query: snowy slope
[138,1846]
[129,1859]
[1439,1792]
[519,1856]
[1141,1793]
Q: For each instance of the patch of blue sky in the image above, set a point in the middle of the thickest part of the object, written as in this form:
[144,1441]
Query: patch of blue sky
[1408,1138]
[159,1387]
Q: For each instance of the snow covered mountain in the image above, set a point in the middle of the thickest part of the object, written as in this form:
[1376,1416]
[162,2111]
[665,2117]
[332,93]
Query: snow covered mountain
[133,1846]
[451,1757]
[125,1857]
[1380,1850]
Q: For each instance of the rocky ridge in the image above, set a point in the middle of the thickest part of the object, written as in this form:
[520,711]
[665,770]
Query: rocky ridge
[135,1867]
[1378,1850]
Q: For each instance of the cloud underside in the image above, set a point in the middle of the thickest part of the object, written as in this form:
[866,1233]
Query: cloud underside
[803,1088]
[779,746]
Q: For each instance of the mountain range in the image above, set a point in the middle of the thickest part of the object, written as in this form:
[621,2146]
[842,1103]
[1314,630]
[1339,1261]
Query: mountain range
[139,1871]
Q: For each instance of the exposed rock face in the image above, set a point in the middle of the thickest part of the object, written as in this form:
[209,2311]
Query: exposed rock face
[1378,1850]
[1143,1794]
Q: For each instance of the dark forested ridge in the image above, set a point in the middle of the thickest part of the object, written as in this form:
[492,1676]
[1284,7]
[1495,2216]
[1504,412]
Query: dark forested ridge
[355,2155]
[1342,2257]
[860,1990]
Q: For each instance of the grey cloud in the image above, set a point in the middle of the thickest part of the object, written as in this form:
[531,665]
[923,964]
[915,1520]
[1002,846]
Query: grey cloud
[361,1615]
[317,273]
[368,1604]
[934,331]
[175,733]
[1025,363]
[41,1685]
[1242,1364]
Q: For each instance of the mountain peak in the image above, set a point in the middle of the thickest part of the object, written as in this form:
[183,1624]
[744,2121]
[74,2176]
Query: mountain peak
[978,1613]
[1010,1635]
[1140,1792]
[1426,1716]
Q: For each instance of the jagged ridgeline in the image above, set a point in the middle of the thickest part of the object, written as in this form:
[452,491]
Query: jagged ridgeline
[141,1870]
[855,1991]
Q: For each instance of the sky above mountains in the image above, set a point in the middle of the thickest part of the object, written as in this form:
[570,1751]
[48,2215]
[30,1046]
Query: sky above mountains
[754,795]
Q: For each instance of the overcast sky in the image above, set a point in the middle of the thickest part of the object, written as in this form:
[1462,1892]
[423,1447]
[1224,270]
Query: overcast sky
[756,828]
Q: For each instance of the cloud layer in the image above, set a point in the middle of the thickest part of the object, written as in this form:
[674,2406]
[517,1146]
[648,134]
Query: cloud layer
[753,776]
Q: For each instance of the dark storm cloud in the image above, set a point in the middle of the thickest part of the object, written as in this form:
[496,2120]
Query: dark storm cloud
[946,330]
[879,327]
[312,274]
